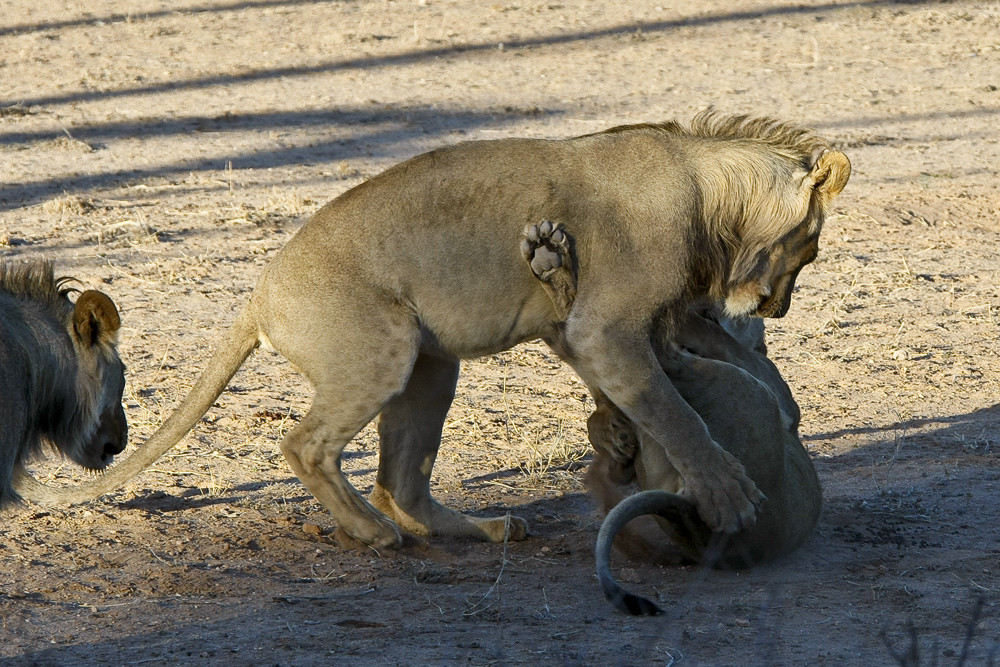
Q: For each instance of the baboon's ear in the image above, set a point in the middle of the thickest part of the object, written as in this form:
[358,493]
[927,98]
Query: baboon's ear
[95,318]
[829,175]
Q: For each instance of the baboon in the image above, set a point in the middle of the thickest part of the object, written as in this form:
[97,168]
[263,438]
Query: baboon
[749,411]
[720,367]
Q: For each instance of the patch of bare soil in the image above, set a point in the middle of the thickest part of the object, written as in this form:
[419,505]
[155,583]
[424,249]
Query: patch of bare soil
[163,151]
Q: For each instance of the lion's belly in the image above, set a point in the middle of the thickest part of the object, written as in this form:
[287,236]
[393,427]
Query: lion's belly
[473,329]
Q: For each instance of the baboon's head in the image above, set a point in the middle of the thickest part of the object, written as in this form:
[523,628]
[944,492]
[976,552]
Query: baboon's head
[766,289]
[101,379]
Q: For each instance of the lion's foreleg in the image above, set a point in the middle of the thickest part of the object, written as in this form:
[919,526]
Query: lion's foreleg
[620,361]
[547,250]
[409,436]
[546,247]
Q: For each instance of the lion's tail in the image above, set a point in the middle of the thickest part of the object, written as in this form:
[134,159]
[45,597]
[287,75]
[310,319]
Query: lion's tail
[679,511]
[232,352]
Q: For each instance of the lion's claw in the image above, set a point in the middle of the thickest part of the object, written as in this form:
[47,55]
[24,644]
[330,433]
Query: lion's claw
[727,500]
[546,248]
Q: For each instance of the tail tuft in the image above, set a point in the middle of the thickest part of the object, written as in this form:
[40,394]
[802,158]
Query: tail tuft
[636,605]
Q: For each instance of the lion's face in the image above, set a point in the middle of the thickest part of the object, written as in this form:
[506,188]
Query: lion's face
[768,292]
[794,251]
[100,381]
[111,435]
[767,289]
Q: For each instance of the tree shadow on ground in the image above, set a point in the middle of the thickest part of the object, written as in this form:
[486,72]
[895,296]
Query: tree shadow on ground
[972,431]
[424,54]
[377,133]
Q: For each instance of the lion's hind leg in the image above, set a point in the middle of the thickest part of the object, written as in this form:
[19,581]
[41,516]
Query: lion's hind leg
[355,375]
[313,450]
[546,248]
[409,436]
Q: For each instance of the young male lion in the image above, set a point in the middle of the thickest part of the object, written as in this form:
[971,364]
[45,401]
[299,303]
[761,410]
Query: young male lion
[61,380]
[386,288]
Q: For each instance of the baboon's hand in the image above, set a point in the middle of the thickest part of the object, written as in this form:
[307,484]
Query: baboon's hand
[727,500]
[611,433]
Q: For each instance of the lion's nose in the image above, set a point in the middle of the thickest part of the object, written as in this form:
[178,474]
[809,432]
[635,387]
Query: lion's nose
[110,449]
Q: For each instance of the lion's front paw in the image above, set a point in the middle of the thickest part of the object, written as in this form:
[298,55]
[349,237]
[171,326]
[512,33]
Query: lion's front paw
[727,500]
[546,248]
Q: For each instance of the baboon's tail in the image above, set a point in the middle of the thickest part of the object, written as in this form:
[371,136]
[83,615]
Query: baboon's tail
[679,511]
[232,352]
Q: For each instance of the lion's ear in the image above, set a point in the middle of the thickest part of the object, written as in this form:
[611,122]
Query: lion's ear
[830,174]
[95,318]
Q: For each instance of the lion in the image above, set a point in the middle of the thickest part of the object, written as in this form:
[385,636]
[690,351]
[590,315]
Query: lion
[381,293]
[720,367]
[750,412]
[62,381]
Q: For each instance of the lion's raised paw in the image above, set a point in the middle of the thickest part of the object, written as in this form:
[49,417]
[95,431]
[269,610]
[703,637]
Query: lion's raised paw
[546,248]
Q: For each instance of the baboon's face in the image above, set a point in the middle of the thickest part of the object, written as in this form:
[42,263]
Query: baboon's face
[111,434]
[768,293]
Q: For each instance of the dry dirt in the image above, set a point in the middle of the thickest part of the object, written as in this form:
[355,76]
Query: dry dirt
[163,152]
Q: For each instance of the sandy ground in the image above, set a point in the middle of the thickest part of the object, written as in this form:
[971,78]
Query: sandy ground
[163,152]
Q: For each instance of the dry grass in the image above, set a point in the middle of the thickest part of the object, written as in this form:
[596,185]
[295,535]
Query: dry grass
[549,463]
[134,231]
[280,208]
[118,223]
[69,205]
[543,450]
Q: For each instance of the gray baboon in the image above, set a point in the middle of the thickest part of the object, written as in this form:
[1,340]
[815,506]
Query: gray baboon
[719,366]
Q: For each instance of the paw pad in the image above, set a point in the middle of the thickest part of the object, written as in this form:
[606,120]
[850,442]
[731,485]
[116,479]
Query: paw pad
[545,246]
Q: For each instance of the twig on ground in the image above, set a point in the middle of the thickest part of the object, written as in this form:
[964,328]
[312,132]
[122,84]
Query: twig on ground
[479,606]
